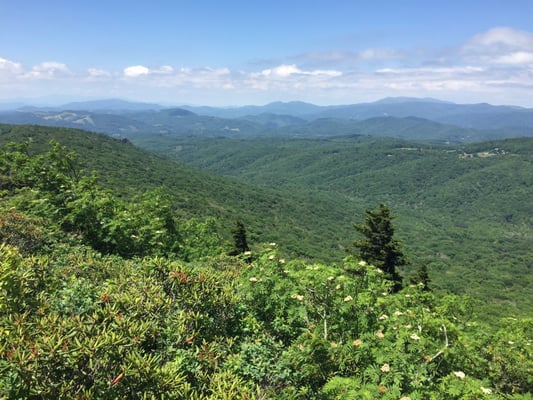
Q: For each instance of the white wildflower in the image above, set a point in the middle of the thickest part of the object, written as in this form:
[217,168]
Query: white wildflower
[414,336]
[486,390]
[397,313]
[254,279]
[380,334]
[383,317]
[348,298]
[362,263]
[459,374]
[385,368]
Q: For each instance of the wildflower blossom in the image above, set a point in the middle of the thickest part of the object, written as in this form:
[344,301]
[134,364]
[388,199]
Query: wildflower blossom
[362,263]
[383,317]
[348,298]
[486,390]
[254,279]
[459,374]
[385,368]
[357,342]
[380,334]
[414,336]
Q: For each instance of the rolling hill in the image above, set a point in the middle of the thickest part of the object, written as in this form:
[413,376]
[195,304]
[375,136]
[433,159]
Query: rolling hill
[464,211]
[269,214]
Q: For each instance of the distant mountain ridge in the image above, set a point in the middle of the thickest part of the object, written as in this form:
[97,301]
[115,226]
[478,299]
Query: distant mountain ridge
[476,116]
[405,117]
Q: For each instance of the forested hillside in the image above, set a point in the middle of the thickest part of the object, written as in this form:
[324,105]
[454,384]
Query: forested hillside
[107,295]
[464,211]
[302,220]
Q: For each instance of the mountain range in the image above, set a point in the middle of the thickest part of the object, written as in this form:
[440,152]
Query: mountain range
[409,118]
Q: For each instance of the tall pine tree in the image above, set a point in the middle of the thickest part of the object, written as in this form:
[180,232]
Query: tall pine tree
[378,246]
[239,237]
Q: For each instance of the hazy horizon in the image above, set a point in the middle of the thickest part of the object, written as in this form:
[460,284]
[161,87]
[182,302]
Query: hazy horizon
[45,103]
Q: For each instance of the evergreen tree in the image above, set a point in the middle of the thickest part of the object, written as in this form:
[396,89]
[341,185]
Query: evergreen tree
[239,237]
[422,277]
[378,247]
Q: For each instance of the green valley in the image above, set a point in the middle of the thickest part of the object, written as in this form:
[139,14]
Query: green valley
[463,211]
[124,282]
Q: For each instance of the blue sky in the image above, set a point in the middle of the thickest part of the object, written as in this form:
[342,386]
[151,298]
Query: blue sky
[251,52]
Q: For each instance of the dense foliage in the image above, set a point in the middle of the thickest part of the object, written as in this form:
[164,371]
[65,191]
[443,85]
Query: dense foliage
[102,298]
[301,219]
[464,212]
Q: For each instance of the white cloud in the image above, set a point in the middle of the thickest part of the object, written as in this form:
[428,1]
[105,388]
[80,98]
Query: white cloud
[453,70]
[165,70]
[500,46]
[135,71]
[518,57]
[501,37]
[369,55]
[49,70]
[285,71]
[282,71]
[9,67]
[98,73]
[379,54]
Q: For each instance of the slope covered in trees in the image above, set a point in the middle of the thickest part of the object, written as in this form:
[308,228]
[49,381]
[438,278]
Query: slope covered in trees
[301,220]
[99,300]
[465,212]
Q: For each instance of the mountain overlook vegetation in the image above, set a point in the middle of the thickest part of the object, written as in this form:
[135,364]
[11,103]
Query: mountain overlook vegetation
[462,210]
[120,283]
